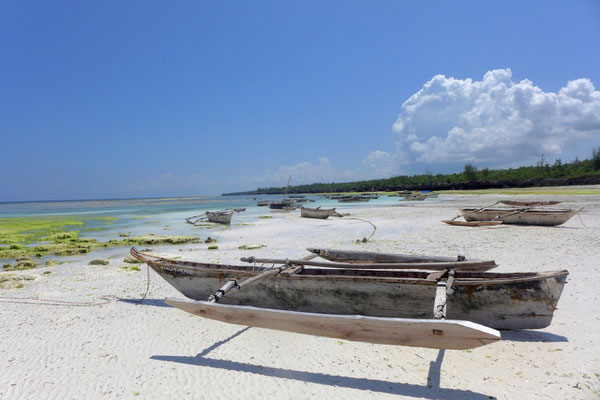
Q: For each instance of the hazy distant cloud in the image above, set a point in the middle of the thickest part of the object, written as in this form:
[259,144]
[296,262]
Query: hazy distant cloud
[304,172]
[495,120]
[378,164]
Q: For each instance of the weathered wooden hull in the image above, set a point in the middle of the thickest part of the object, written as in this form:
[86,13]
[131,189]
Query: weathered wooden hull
[529,203]
[316,212]
[219,218]
[435,334]
[500,301]
[527,217]
[353,199]
[413,197]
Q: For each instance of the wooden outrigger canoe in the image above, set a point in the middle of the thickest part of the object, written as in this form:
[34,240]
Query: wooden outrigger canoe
[529,203]
[320,213]
[520,216]
[495,300]
[353,199]
[219,217]
[413,197]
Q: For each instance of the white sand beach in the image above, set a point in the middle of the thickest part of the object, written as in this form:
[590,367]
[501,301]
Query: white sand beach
[122,349]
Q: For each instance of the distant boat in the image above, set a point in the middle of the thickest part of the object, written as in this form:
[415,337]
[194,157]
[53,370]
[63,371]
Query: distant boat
[529,203]
[320,213]
[219,217]
[281,205]
[520,216]
[353,199]
[413,197]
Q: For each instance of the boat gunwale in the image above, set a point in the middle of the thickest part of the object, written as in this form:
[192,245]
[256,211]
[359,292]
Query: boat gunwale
[562,211]
[494,279]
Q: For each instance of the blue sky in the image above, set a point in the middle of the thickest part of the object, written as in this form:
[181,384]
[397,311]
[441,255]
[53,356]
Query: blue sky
[154,98]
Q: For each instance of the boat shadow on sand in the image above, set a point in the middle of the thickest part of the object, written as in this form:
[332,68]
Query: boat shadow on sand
[146,302]
[531,336]
[430,391]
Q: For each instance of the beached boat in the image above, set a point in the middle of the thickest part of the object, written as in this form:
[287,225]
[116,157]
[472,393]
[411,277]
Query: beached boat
[320,213]
[372,196]
[525,300]
[529,203]
[413,197]
[219,217]
[263,203]
[520,216]
[285,204]
[353,199]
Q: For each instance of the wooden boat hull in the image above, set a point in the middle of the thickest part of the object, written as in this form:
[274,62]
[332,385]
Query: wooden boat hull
[500,301]
[353,200]
[219,218]
[413,197]
[316,212]
[436,334]
[529,203]
[528,217]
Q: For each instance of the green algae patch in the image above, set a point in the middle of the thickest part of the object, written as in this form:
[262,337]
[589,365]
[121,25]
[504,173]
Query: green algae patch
[129,268]
[40,236]
[24,230]
[151,239]
[99,262]
[213,247]
[265,216]
[51,263]
[251,246]
[11,280]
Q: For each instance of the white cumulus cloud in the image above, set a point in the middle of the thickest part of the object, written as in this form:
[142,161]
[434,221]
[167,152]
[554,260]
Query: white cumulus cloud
[495,120]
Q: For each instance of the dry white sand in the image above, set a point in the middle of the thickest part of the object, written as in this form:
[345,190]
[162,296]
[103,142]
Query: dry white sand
[125,350]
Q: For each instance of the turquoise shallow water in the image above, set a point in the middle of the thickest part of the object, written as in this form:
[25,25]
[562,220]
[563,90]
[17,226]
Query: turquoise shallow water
[161,216]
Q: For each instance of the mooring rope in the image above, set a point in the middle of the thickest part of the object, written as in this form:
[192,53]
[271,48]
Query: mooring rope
[106,298]
[582,223]
[50,302]
[368,222]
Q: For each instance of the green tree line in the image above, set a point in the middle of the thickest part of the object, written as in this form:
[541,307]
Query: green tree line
[543,173]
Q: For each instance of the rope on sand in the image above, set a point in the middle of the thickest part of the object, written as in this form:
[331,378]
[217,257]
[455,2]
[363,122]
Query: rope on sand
[105,299]
[368,222]
[49,302]
[582,223]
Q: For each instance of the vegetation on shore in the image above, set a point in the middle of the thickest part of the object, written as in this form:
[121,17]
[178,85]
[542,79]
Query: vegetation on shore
[471,178]
[26,237]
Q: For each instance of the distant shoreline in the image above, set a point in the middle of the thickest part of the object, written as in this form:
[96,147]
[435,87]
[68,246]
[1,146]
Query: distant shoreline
[453,187]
